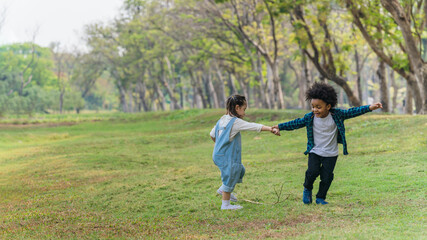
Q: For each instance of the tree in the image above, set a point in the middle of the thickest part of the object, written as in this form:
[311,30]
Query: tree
[247,20]
[64,67]
[406,21]
[88,69]
[403,59]
[25,78]
[323,51]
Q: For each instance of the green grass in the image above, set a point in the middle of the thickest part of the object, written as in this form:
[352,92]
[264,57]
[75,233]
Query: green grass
[151,176]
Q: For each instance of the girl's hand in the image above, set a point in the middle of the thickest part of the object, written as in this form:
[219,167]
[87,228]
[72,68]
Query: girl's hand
[375,106]
[275,130]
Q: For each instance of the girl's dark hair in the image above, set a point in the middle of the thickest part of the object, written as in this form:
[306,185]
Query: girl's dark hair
[233,101]
[322,91]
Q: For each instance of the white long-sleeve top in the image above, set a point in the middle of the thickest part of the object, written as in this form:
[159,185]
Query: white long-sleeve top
[239,125]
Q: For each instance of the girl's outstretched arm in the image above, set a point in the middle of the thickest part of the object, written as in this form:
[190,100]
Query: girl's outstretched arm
[265,128]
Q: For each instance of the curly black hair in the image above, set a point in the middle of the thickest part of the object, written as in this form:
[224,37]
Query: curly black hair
[322,91]
[233,101]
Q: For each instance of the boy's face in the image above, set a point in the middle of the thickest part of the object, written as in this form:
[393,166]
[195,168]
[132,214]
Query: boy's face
[241,110]
[320,108]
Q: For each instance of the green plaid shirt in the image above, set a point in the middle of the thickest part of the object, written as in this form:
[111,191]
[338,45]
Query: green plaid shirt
[337,114]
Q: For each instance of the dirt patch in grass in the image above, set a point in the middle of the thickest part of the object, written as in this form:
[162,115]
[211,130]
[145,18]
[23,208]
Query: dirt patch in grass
[184,227]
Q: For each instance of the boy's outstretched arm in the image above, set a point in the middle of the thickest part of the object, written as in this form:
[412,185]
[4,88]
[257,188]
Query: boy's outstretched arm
[357,111]
[291,125]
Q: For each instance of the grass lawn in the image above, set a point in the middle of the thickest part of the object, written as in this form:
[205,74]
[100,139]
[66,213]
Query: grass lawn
[151,176]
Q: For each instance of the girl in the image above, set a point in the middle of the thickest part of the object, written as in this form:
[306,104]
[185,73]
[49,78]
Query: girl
[227,151]
[325,129]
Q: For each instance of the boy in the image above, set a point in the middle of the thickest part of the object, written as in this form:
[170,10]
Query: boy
[325,129]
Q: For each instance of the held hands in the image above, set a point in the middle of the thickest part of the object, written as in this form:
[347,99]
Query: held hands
[375,106]
[275,130]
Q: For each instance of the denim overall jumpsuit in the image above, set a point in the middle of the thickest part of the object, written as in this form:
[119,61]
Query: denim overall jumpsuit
[227,157]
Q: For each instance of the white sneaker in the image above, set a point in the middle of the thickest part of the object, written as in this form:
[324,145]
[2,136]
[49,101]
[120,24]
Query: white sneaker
[232,197]
[231,207]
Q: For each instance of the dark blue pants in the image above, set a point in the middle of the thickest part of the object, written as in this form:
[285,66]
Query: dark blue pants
[323,166]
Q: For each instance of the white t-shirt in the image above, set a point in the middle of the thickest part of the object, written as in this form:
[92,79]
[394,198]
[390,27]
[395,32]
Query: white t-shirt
[325,133]
[238,125]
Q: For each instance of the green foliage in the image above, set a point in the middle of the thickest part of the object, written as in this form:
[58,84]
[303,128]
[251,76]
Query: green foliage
[73,101]
[169,45]
[15,58]
[401,61]
[26,79]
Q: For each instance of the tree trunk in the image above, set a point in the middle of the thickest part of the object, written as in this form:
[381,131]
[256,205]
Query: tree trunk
[162,78]
[305,78]
[206,86]
[416,91]
[195,82]
[424,70]
[395,91]
[24,84]
[142,92]
[181,92]
[408,100]
[242,84]
[301,86]
[197,99]
[265,97]
[160,97]
[278,94]
[201,94]
[256,89]
[61,101]
[340,96]
[231,84]
[359,79]
[131,100]
[353,100]
[221,88]
[383,86]
[122,97]
[212,92]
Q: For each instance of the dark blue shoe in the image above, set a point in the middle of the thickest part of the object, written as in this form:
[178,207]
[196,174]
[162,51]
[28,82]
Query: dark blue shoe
[306,196]
[321,201]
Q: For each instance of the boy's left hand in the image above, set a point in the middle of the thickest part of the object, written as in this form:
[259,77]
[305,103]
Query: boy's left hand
[375,106]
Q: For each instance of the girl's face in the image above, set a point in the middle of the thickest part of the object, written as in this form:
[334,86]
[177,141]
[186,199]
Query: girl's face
[241,110]
[320,108]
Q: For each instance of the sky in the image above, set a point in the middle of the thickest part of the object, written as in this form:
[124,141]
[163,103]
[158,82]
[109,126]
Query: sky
[56,20]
